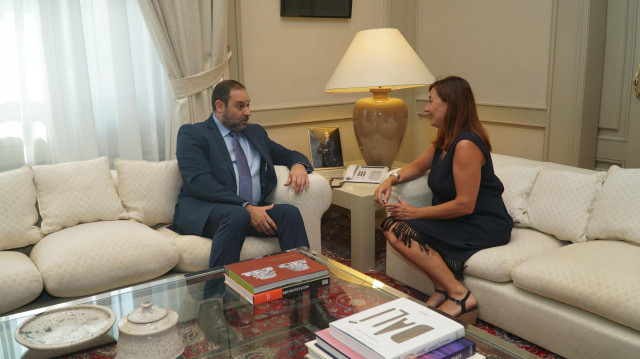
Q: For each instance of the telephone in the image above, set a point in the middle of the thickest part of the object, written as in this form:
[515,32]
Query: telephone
[367,174]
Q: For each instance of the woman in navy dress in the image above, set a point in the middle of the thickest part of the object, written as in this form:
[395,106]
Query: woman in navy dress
[467,212]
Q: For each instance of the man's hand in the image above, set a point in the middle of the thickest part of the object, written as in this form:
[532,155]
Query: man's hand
[298,178]
[260,219]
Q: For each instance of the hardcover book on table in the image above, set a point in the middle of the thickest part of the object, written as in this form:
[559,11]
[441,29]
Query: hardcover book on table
[266,273]
[315,352]
[460,349]
[286,291]
[241,314]
[396,329]
[334,347]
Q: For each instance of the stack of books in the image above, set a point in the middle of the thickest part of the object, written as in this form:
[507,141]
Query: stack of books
[281,275]
[398,329]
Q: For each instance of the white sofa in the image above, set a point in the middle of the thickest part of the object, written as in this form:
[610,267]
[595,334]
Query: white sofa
[78,228]
[569,280]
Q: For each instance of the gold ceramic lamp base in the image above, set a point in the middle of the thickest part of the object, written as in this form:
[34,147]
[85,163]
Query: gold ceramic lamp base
[379,123]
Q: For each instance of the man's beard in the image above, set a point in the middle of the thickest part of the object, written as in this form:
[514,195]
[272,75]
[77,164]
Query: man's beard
[233,125]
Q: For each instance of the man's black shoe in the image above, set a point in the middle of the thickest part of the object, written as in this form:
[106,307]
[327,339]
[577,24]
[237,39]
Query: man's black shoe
[212,321]
[319,315]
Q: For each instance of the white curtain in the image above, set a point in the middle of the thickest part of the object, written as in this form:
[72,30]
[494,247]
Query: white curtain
[79,79]
[191,38]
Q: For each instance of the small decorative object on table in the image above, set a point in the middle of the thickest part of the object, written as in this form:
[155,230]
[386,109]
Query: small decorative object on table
[65,330]
[149,332]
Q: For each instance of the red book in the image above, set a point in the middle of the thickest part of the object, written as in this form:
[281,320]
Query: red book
[277,293]
[266,273]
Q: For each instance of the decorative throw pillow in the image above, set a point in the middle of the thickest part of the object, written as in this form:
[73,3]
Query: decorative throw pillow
[561,202]
[518,182]
[149,190]
[616,212]
[18,213]
[76,192]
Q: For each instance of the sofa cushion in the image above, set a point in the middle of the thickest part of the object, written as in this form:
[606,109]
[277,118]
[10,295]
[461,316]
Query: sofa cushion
[18,212]
[518,182]
[600,277]
[497,263]
[93,257]
[195,251]
[149,190]
[561,203]
[76,192]
[616,212]
[20,282]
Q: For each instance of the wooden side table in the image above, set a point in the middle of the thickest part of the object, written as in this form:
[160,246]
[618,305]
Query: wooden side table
[358,198]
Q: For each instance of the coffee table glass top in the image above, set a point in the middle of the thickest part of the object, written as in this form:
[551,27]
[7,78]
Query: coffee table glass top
[231,327]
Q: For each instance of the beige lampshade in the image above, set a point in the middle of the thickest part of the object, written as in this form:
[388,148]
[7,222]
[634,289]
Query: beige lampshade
[379,58]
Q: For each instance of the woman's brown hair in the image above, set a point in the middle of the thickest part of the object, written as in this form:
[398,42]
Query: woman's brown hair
[461,113]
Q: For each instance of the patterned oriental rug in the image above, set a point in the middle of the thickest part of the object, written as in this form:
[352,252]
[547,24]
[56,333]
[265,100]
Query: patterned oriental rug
[336,244]
[343,300]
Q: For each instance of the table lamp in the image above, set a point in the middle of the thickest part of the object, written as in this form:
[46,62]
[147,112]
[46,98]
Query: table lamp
[378,61]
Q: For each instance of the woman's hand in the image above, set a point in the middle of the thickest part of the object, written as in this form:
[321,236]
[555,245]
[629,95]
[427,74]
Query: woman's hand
[401,210]
[383,192]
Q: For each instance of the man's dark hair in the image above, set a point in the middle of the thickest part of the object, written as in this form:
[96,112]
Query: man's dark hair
[222,90]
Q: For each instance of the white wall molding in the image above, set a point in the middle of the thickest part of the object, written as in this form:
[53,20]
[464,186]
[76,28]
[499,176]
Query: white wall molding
[314,123]
[295,105]
[423,99]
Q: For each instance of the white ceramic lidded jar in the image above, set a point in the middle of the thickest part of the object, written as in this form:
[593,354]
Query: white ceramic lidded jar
[149,332]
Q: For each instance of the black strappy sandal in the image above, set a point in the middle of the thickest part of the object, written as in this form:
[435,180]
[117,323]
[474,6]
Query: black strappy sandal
[466,316]
[441,291]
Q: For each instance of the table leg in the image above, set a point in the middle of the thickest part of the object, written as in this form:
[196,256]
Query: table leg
[363,217]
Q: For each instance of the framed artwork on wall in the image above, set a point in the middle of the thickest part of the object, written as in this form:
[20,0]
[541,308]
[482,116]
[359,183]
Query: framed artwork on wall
[326,148]
[315,8]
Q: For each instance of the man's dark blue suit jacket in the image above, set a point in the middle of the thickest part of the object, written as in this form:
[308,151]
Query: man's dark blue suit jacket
[208,175]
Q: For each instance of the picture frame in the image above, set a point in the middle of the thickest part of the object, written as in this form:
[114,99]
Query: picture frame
[316,8]
[325,147]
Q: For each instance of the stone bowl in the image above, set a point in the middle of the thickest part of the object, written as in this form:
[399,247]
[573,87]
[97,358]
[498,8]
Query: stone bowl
[65,330]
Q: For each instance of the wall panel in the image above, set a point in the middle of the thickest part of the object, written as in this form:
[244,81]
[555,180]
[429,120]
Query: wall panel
[501,47]
[288,61]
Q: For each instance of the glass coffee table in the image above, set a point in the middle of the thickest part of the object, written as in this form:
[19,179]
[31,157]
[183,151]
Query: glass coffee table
[231,327]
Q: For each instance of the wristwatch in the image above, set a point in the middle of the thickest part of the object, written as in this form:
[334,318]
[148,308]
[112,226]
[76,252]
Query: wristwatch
[396,175]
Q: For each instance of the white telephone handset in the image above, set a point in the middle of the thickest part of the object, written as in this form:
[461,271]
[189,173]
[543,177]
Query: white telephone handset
[367,174]
[351,170]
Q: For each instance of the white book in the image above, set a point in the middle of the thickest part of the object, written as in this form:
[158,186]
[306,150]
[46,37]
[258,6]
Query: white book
[315,352]
[396,329]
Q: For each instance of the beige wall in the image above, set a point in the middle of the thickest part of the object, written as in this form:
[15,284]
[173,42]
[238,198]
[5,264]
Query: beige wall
[535,67]
[286,62]
[527,61]
[503,49]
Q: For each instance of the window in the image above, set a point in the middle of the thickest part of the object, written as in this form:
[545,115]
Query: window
[80,79]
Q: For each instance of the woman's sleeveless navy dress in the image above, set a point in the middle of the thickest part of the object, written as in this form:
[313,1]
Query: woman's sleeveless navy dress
[457,239]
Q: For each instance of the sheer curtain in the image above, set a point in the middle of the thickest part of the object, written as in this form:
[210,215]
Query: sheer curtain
[79,79]
[191,38]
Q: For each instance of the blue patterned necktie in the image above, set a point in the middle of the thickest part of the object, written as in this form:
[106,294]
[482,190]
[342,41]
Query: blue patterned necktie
[244,174]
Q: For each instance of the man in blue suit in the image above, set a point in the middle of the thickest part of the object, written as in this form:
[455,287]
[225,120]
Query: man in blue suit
[211,203]
[227,167]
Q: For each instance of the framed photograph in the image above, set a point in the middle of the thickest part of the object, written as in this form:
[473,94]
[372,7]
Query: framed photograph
[326,148]
[315,8]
